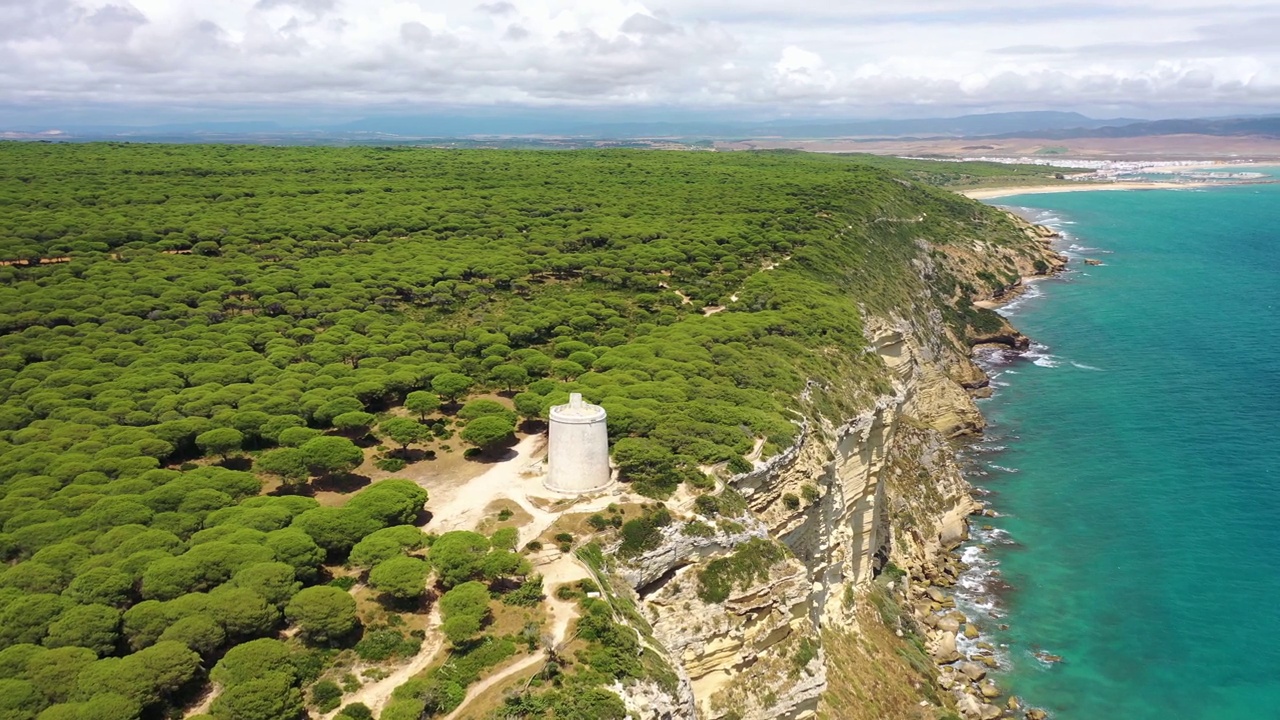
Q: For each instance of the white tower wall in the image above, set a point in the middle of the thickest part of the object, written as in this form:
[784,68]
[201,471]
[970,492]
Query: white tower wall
[578,448]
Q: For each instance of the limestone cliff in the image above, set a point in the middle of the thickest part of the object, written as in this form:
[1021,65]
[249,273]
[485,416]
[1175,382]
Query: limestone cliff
[851,497]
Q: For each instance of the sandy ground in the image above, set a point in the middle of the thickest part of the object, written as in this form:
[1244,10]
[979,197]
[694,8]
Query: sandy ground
[461,503]
[990,193]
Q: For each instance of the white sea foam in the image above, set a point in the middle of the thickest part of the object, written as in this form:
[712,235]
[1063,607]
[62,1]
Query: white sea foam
[1082,366]
[999,535]
[1001,468]
[1039,354]
[1032,291]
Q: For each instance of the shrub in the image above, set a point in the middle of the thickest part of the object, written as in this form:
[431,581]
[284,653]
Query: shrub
[529,594]
[385,643]
[390,464]
[506,538]
[750,562]
[697,528]
[326,695]
[356,711]
[643,533]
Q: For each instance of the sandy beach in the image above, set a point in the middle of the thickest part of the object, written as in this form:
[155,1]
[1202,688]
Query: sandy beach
[990,193]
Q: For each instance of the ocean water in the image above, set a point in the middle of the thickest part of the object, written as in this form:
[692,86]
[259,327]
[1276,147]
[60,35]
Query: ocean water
[1134,456]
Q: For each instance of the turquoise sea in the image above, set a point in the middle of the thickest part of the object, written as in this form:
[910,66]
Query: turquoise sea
[1134,456]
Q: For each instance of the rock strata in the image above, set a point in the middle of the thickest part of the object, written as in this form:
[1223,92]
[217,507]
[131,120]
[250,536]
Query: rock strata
[882,493]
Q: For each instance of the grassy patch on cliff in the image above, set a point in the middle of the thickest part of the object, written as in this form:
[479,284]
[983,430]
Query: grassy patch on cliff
[872,674]
[749,563]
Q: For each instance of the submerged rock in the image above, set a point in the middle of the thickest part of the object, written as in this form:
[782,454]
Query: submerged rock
[1048,658]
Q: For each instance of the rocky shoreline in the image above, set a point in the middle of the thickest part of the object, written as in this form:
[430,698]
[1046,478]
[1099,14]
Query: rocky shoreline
[963,672]
[955,641]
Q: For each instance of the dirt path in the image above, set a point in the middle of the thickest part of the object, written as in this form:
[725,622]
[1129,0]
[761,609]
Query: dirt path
[562,570]
[376,694]
[206,700]
[481,687]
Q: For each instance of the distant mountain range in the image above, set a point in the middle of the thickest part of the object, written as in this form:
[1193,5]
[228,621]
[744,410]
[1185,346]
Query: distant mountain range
[990,124]
[1268,127]
[559,124]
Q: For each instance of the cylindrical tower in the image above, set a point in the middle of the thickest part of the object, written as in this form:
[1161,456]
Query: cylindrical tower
[578,448]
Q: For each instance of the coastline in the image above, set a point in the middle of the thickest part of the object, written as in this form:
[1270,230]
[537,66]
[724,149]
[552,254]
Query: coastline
[958,607]
[1000,192]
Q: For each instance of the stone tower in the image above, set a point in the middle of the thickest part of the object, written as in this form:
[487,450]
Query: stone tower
[578,448]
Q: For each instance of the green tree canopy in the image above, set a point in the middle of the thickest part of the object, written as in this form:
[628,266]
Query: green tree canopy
[403,431]
[322,613]
[458,556]
[510,376]
[385,544]
[250,660]
[393,501]
[422,402]
[463,610]
[402,577]
[220,441]
[451,385]
[289,463]
[489,430]
[327,455]
[271,696]
[275,582]
[335,529]
[95,627]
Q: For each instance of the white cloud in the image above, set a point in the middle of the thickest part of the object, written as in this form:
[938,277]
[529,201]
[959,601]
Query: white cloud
[857,57]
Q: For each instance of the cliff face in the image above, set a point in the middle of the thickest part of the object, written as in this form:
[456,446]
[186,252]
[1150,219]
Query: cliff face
[851,497]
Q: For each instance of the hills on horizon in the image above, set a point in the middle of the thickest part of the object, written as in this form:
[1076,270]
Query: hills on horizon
[1053,125]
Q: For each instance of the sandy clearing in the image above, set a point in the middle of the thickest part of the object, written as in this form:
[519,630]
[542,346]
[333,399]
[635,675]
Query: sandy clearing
[462,504]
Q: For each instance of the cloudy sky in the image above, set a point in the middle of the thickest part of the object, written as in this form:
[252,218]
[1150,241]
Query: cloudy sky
[852,58]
